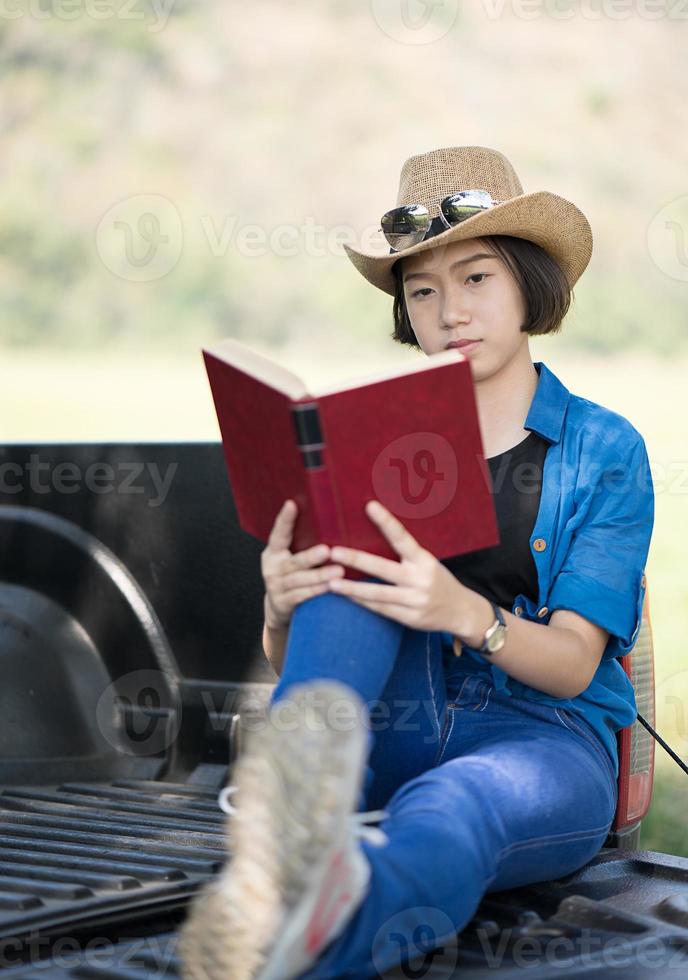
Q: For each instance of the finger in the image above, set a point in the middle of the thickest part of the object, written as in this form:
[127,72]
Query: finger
[401,540]
[283,528]
[296,580]
[375,565]
[310,556]
[400,614]
[300,595]
[287,564]
[373,592]
[277,565]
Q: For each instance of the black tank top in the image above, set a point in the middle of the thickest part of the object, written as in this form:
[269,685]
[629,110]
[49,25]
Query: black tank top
[506,570]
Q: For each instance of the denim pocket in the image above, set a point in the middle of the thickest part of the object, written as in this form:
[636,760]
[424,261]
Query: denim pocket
[473,695]
[569,720]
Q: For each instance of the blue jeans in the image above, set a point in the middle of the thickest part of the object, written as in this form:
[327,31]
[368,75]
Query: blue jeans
[484,791]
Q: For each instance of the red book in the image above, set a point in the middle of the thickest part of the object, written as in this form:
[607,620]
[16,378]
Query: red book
[408,437]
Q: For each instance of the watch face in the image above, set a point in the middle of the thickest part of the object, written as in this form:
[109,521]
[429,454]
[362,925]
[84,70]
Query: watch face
[496,641]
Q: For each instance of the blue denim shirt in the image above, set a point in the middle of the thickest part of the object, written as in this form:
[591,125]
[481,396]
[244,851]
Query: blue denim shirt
[590,543]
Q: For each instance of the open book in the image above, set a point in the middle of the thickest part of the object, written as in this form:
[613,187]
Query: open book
[408,437]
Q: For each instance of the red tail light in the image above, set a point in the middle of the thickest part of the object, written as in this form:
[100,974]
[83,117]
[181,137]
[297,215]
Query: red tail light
[635,744]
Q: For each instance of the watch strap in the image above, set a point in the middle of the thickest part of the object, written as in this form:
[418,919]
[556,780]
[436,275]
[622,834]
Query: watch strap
[498,621]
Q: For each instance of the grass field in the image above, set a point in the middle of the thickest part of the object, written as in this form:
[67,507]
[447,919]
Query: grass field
[156,396]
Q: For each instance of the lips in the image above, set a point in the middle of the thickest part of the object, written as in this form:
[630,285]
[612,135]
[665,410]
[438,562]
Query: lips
[461,343]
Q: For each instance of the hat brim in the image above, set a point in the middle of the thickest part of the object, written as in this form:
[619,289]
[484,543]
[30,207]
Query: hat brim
[550,221]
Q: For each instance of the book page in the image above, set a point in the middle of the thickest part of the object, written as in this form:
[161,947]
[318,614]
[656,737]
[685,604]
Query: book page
[257,366]
[397,371]
[271,373]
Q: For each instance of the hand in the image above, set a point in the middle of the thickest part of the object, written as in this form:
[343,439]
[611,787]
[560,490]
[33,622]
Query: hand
[424,594]
[291,578]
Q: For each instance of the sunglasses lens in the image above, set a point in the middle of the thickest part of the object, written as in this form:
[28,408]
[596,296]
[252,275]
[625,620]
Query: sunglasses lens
[458,207]
[405,226]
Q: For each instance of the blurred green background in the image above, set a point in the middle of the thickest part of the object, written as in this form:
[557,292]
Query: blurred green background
[176,173]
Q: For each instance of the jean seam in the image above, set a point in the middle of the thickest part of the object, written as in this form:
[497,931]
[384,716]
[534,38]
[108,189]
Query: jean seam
[599,749]
[452,707]
[481,701]
[446,741]
[487,699]
[445,726]
[568,838]
[458,696]
[432,689]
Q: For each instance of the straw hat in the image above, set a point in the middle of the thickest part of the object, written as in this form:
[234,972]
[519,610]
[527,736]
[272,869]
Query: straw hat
[541,217]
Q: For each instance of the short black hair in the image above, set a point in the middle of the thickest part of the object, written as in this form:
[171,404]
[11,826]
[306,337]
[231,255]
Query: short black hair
[544,287]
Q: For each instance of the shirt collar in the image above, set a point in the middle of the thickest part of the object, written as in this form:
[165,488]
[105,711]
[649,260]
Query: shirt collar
[548,407]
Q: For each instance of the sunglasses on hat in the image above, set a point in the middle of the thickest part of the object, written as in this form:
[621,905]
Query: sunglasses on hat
[411,223]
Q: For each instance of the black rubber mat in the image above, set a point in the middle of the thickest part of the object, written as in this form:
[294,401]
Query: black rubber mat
[622,914]
[76,853]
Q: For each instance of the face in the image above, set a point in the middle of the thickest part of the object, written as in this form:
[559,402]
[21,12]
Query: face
[451,295]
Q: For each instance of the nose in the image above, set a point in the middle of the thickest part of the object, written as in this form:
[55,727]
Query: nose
[455,309]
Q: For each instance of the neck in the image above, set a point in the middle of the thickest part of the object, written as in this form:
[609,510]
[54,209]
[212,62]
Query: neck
[503,401]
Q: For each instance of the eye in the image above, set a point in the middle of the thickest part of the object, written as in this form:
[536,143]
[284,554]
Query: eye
[483,275]
[424,290]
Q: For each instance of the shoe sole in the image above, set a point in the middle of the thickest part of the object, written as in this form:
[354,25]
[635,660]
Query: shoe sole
[298,781]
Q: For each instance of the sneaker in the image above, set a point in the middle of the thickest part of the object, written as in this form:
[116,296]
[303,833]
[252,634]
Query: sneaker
[296,872]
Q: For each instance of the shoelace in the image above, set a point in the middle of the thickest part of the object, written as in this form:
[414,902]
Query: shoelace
[375,835]
[359,821]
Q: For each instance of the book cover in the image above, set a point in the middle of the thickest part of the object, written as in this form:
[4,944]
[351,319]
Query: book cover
[408,437]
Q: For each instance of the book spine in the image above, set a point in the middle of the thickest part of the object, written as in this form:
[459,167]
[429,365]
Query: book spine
[311,445]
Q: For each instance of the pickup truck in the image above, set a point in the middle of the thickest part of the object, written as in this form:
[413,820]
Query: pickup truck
[131,614]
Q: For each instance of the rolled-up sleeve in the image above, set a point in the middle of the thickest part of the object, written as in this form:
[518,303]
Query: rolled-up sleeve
[603,574]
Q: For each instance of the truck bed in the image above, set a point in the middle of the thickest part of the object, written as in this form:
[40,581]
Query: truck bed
[130,628]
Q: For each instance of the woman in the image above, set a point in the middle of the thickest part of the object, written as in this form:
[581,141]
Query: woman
[483,691]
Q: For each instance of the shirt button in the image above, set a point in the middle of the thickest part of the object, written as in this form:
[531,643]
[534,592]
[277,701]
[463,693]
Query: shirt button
[542,612]
[539,544]
[643,581]
[518,611]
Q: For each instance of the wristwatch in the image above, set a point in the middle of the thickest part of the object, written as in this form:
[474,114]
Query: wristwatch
[495,635]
